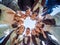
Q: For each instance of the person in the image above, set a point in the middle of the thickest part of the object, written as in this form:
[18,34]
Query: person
[26,40]
[19,31]
[38,6]
[14,25]
[23,4]
[40,32]
[33,36]
[49,21]
[44,37]
[34,16]
[28,12]
[18,20]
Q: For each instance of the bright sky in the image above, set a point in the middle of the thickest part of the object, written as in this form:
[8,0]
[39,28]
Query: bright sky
[29,23]
[0,0]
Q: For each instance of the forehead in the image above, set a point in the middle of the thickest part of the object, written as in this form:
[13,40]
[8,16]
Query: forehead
[40,22]
[21,27]
[33,30]
[27,30]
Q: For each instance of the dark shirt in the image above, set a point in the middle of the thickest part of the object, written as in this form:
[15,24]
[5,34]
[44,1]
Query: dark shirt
[24,3]
[48,40]
[41,37]
[34,40]
[28,41]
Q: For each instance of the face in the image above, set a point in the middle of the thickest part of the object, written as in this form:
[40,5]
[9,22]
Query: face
[28,12]
[33,16]
[23,16]
[16,18]
[38,30]
[19,12]
[20,22]
[33,32]
[28,31]
[21,29]
[39,24]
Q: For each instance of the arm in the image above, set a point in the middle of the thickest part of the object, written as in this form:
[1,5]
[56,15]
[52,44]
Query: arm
[44,35]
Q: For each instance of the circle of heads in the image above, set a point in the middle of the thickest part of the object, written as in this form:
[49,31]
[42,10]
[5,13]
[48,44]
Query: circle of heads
[20,17]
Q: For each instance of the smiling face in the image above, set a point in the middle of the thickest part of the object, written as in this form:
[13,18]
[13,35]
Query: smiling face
[27,31]
[33,16]
[21,29]
[20,22]
[28,11]
[23,16]
[33,32]
[16,18]
[38,30]
[39,24]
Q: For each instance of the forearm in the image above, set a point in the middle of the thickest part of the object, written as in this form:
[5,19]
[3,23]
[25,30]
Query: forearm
[43,34]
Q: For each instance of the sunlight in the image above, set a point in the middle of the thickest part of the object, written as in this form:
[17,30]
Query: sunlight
[29,23]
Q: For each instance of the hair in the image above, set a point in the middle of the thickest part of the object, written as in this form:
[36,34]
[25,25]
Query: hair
[42,26]
[14,25]
[35,13]
[49,21]
[28,28]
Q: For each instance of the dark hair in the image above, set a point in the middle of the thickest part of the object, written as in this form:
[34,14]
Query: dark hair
[14,25]
[28,28]
[42,26]
[49,21]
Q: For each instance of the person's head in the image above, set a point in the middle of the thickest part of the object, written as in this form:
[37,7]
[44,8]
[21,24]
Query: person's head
[20,29]
[33,16]
[16,18]
[49,21]
[27,31]
[23,16]
[33,32]
[40,25]
[28,11]
[20,22]
[19,12]
[14,25]
[38,30]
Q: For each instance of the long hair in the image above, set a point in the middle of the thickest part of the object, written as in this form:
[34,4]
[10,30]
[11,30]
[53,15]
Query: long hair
[24,3]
